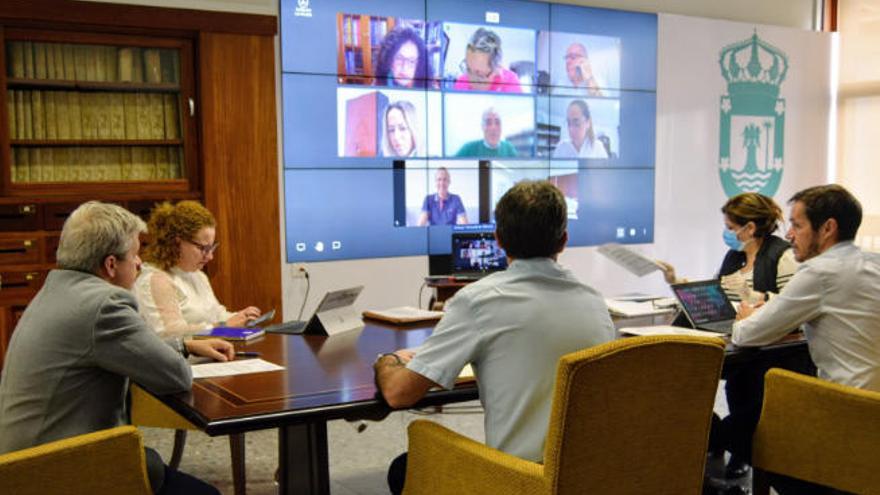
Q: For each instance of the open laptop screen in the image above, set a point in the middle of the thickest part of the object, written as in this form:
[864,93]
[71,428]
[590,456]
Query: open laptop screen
[705,301]
[476,252]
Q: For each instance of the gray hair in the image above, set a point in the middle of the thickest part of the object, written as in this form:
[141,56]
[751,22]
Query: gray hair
[486,41]
[487,112]
[94,231]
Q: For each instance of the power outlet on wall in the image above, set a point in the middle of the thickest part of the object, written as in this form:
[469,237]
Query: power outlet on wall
[298,270]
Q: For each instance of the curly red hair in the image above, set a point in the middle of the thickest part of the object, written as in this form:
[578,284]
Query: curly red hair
[170,224]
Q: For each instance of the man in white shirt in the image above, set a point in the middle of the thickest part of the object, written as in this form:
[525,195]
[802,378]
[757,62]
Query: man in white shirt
[833,295]
[512,327]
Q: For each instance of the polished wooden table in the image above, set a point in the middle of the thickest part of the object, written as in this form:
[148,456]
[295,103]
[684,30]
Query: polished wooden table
[328,378]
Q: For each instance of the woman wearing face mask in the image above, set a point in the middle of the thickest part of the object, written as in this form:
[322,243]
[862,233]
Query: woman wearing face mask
[757,267]
[759,263]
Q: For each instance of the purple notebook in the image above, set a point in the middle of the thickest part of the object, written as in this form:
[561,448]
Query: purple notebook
[230,333]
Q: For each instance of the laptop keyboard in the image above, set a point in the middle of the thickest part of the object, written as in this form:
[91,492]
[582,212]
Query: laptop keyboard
[718,326]
[288,327]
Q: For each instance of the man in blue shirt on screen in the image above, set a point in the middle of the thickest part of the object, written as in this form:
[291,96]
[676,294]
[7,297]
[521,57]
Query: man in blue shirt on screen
[512,327]
[442,207]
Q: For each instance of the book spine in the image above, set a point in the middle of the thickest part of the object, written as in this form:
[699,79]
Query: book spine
[102,111]
[125,164]
[124,65]
[58,55]
[111,63]
[117,116]
[50,60]
[51,115]
[80,61]
[48,165]
[89,124]
[17,55]
[143,116]
[27,48]
[69,62]
[157,116]
[39,60]
[152,66]
[137,65]
[172,118]
[61,164]
[11,113]
[75,112]
[38,118]
[130,112]
[62,113]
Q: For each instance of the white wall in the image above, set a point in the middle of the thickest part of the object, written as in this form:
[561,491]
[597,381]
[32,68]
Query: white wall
[696,251]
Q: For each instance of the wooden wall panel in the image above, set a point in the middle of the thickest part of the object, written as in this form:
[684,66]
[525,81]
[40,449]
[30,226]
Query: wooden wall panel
[240,166]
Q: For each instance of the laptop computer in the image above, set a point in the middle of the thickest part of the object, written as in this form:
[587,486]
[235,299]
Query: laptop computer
[706,306]
[475,255]
[333,301]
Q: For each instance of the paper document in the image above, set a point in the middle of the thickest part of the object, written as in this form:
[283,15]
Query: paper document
[632,308]
[668,330]
[404,314]
[634,262]
[237,367]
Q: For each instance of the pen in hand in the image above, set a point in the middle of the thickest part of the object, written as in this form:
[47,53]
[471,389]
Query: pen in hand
[247,354]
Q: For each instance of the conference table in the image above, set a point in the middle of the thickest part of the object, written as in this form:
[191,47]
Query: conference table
[327,378]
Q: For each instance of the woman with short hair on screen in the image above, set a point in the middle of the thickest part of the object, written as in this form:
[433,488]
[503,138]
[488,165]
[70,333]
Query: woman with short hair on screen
[481,68]
[174,294]
[582,142]
[402,60]
[442,207]
[401,130]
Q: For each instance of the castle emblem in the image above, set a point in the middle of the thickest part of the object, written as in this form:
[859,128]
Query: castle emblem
[752,142]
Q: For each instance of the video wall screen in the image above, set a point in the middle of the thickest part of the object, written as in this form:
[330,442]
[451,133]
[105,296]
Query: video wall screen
[404,120]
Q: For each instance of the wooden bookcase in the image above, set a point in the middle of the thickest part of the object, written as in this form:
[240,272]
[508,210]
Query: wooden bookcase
[135,105]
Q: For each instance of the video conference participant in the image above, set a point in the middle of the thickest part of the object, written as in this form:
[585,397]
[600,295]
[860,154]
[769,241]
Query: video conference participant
[81,340]
[582,142]
[481,68]
[833,296]
[491,145]
[403,60]
[173,292]
[580,70]
[401,136]
[513,326]
[442,207]
[757,266]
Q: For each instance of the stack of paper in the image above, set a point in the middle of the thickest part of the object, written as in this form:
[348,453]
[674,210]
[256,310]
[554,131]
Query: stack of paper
[237,367]
[403,314]
[633,261]
[632,308]
[668,330]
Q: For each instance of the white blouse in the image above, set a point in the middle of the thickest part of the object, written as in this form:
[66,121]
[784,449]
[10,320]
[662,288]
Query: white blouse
[176,302]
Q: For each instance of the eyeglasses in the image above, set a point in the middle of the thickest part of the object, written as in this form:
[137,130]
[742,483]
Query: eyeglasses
[206,249]
[401,61]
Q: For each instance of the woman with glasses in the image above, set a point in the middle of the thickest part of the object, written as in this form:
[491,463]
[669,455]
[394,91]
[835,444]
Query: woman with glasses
[481,68]
[582,142]
[402,60]
[173,292]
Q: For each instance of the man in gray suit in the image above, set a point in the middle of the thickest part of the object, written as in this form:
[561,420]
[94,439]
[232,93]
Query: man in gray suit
[81,340]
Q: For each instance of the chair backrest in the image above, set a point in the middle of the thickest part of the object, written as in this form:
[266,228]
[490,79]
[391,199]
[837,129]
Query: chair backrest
[147,410]
[104,462]
[820,432]
[632,416]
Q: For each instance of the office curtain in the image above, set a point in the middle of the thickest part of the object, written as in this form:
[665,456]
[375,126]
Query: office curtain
[858,115]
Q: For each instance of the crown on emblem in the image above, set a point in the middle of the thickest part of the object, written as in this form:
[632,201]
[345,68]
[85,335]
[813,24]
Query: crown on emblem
[753,68]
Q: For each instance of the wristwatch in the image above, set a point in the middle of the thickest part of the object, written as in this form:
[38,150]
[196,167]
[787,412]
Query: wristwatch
[396,357]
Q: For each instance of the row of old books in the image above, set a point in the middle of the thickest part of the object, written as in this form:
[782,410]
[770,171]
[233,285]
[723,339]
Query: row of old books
[38,114]
[74,62]
[96,164]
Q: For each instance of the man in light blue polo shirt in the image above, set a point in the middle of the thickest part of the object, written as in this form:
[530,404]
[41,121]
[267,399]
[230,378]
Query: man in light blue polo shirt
[512,327]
